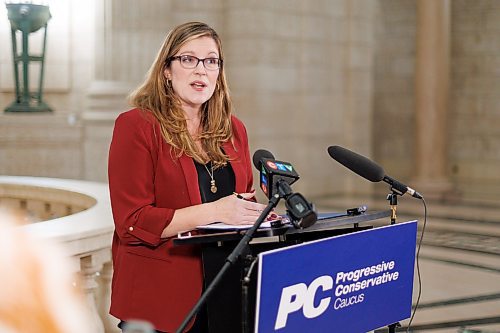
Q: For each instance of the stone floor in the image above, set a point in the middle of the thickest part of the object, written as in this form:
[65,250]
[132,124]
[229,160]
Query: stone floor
[459,263]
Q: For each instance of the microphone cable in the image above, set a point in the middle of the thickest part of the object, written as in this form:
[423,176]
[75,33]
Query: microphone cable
[418,266]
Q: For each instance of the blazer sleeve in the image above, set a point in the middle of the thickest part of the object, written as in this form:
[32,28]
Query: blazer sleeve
[131,171]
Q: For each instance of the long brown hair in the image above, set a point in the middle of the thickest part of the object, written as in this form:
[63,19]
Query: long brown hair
[157,96]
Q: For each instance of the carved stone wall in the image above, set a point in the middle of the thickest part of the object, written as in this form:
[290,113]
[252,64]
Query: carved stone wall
[303,75]
[300,74]
[473,153]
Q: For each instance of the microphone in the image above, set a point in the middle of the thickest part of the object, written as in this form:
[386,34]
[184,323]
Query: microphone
[368,169]
[138,326]
[272,171]
[259,155]
[275,179]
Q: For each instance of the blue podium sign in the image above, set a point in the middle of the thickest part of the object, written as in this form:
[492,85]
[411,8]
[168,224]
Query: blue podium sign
[351,283]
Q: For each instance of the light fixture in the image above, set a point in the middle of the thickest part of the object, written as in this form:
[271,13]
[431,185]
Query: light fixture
[27,18]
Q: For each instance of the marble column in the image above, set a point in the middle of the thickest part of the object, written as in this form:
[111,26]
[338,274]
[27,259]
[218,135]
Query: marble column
[432,81]
[106,95]
[128,34]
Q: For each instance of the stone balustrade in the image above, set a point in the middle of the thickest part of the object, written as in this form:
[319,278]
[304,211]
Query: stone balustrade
[77,215]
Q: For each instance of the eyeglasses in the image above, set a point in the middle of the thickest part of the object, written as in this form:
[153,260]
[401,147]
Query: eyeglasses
[190,62]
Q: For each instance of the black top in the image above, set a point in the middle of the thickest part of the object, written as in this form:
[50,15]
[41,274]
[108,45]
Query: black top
[224,181]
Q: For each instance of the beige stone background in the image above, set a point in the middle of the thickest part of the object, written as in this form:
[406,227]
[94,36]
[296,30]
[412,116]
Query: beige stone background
[304,75]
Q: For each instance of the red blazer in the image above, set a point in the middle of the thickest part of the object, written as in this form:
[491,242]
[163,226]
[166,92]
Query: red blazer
[152,279]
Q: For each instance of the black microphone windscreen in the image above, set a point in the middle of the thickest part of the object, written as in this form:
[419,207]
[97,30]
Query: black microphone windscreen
[357,163]
[259,155]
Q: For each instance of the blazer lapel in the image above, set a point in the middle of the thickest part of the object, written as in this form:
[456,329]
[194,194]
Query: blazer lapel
[191,177]
[237,165]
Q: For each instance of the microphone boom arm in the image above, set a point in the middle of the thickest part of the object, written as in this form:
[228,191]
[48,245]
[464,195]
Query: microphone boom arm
[401,188]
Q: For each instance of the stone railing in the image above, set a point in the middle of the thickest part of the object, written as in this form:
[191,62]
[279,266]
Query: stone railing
[77,215]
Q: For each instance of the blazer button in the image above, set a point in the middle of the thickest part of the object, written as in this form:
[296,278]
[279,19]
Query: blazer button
[131,228]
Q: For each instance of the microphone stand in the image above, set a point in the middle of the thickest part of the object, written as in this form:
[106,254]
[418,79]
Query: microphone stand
[393,202]
[233,257]
[245,284]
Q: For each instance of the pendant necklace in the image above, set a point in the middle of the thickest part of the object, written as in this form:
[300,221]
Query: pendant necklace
[213,187]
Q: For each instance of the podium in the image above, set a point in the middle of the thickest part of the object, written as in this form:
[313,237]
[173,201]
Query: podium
[233,305]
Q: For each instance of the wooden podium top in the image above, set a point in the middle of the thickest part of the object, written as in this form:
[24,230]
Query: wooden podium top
[282,233]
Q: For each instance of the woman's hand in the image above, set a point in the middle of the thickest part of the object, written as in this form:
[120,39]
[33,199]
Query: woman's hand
[233,210]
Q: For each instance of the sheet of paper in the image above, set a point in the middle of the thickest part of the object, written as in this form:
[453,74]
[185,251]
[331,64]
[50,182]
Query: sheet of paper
[265,224]
[223,226]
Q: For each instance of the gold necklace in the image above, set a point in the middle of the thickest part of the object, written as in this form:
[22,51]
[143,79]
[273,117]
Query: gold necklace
[213,187]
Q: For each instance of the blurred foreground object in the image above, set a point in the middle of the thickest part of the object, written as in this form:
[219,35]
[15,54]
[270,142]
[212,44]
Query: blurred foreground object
[38,292]
[138,326]
[76,215]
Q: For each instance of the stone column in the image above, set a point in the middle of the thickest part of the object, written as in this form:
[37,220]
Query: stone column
[106,95]
[96,270]
[104,298]
[89,272]
[431,97]
[128,36]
